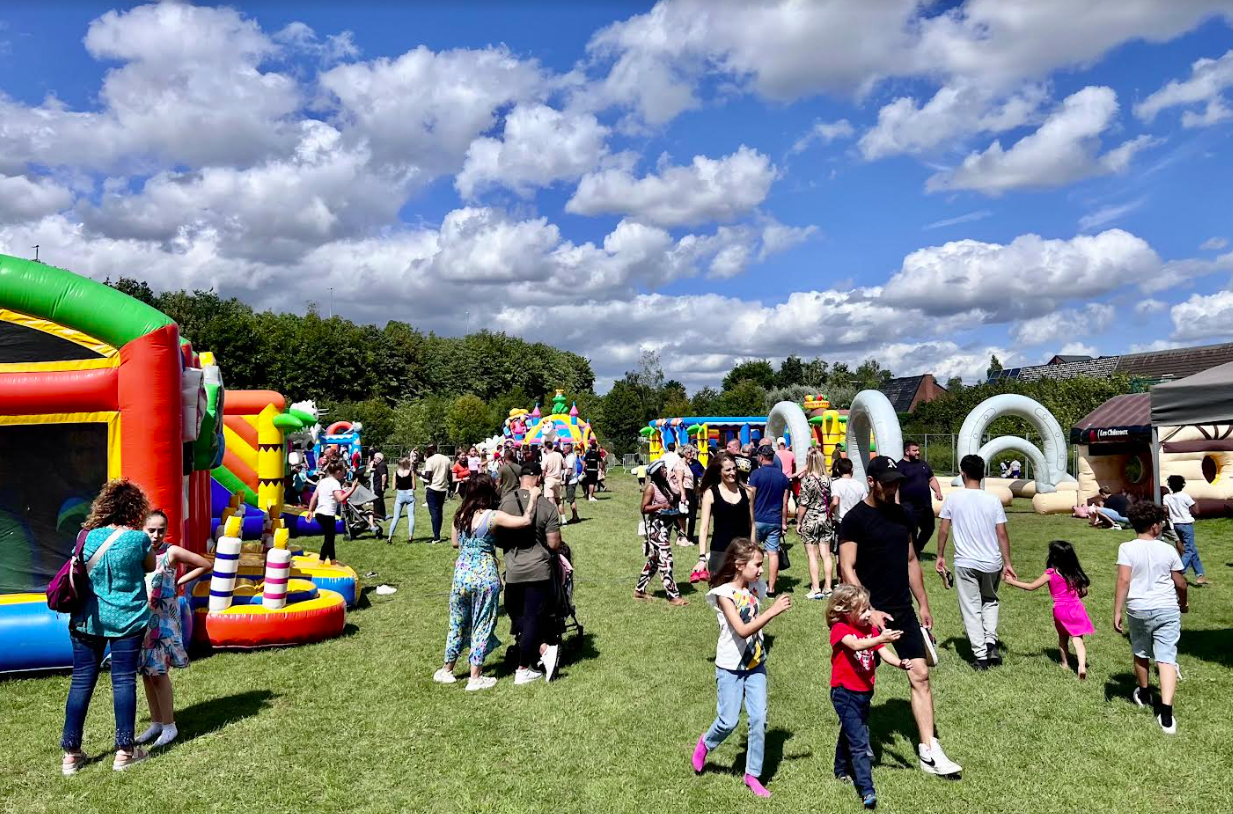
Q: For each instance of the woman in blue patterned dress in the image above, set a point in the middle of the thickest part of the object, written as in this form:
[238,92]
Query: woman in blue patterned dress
[477,585]
[163,647]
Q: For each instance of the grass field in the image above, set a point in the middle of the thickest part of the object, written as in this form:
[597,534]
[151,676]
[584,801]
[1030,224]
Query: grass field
[356,724]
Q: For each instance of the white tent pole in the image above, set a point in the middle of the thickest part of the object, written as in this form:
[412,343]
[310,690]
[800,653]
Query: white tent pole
[1156,465]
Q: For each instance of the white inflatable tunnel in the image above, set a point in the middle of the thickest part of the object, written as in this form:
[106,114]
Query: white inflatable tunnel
[871,410]
[1051,470]
[788,415]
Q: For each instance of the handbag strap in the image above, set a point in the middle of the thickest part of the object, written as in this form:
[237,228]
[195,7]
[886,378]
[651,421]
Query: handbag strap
[94,558]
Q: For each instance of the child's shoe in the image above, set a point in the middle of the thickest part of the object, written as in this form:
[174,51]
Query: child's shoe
[870,801]
[698,760]
[756,787]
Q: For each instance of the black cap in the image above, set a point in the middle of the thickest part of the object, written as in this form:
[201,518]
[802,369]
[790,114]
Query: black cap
[883,470]
[531,469]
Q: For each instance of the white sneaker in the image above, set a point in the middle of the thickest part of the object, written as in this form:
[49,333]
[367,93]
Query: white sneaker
[443,676]
[934,761]
[481,683]
[592,500]
[549,660]
[527,675]
[1171,729]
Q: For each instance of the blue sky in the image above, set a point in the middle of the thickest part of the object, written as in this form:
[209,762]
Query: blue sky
[925,184]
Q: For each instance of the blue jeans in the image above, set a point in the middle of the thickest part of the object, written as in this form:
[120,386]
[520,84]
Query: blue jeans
[404,497]
[733,686]
[87,659]
[852,749]
[769,535]
[1190,551]
[1114,516]
[436,505]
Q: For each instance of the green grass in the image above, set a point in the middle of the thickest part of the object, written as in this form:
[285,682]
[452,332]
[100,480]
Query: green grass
[356,724]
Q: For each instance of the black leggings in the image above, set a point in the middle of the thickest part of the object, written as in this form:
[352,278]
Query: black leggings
[329,529]
[528,605]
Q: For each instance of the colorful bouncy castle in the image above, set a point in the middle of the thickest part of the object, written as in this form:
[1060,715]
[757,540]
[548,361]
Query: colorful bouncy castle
[522,427]
[94,385]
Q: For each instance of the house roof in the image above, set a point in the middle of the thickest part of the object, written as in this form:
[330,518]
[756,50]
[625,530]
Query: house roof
[1063,357]
[1162,365]
[1121,418]
[901,392]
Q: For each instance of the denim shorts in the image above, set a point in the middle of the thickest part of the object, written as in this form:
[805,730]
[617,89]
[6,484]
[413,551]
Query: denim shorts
[769,535]
[1154,634]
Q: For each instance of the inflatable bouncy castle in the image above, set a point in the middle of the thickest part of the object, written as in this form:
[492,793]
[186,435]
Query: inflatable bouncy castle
[93,385]
[535,428]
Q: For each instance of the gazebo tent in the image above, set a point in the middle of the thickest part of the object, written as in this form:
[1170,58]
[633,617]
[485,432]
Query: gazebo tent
[1204,398]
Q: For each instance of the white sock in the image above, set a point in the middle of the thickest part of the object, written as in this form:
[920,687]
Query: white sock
[151,733]
[168,735]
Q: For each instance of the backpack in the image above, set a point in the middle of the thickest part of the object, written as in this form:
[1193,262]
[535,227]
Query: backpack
[70,587]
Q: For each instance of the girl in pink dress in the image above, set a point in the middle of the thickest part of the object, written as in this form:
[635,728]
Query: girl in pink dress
[1068,585]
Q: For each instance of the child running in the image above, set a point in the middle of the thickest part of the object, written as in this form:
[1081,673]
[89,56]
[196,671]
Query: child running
[1181,508]
[163,647]
[740,655]
[854,640]
[1068,584]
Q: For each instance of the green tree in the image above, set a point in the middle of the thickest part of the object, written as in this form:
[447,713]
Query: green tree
[375,415]
[871,375]
[814,372]
[745,398]
[791,371]
[995,366]
[705,402]
[757,371]
[954,384]
[468,420]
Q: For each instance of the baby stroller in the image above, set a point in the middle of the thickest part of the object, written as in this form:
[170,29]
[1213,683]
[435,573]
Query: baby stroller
[357,514]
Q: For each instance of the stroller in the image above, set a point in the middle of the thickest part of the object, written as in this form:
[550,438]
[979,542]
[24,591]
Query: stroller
[357,514]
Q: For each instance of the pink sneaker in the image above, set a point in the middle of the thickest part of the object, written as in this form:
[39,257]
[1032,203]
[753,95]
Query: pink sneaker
[756,787]
[699,758]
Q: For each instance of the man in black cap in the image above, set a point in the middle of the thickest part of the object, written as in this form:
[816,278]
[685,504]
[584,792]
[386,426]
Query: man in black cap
[876,551]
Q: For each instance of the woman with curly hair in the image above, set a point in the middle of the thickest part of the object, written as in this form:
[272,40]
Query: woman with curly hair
[115,612]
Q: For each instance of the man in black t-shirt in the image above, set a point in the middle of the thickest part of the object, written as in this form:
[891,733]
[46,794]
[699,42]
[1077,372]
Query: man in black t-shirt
[914,493]
[876,551]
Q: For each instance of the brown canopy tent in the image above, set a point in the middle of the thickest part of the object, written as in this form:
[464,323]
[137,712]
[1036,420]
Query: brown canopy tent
[1204,398]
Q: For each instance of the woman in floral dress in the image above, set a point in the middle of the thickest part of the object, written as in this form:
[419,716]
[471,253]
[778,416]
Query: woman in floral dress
[477,584]
[813,522]
[163,647]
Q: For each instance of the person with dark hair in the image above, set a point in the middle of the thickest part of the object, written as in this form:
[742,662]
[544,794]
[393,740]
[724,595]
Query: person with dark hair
[1151,589]
[876,551]
[1182,510]
[1068,585]
[660,508]
[508,473]
[404,496]
[726,500]
[529,598]
[740,656]
[982,558]
[476,588]
[380,480]
[694,490]
[771,491]
[591,461]
[919,486]
[325,505]
[436,487]
[114,613]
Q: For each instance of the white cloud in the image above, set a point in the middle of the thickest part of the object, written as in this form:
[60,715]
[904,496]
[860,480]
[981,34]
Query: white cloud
[1023,279]
[540,146]
[23,198]
[1150,306]
[1063,150]
[967,217]
[1062,325]
[706,190]
[1214,244]
[1079,349]
[1203,317]
[1155,346]
[1108,214]
[825,132]
[1208,80]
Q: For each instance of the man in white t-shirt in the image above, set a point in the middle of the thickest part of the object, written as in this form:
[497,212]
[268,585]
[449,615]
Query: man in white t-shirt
[846,491]
[982,558]
[1151,588]
[672,460]
[572,473]
[437,470]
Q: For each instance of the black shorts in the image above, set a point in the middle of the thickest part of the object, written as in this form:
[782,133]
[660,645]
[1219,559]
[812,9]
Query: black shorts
[911,645]
[571,493]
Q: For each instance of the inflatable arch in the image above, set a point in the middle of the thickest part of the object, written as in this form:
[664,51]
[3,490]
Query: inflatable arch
[788,415]
[872,410]
[1051,466]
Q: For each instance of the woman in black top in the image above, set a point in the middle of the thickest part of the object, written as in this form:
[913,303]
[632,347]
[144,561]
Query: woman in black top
[730,503]
[404,486]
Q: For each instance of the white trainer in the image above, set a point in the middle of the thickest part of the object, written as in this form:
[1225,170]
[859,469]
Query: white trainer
[527,675]
[481,683]
[549,660]
[934,761]
[1171,729]
[443,676]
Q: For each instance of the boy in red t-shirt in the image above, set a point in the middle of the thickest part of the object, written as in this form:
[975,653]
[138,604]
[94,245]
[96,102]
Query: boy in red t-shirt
[853,663]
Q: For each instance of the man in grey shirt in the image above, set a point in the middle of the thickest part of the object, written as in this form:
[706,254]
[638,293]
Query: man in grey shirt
[508,473]
[529,597]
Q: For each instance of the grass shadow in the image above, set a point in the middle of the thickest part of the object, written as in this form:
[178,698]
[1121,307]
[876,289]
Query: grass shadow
[772,756]
[1208,645]
[1119,687]
[893,716]
[961,648]
[205,717]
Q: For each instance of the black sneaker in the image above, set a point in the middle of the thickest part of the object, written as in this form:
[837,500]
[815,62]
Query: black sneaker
[981,665]
[993,655]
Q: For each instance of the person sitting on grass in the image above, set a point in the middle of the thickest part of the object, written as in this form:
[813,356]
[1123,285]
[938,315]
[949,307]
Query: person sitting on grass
[163,647]
[1104,514]
[854,641]
[1182,510]
[477,584]
[660,508]
[1068,585]
[740,656]
[1151,588]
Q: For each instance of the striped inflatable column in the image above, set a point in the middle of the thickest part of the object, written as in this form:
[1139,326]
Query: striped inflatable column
[277,572]
[226,564]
